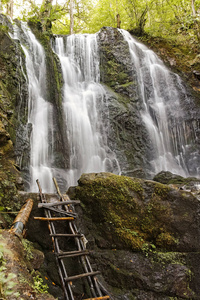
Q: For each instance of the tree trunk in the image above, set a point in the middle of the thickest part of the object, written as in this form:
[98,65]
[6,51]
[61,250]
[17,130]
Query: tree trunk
[10,9]
[118,21]
[118,15]
[193,8]
[46,23]
[71,16]
[47,7]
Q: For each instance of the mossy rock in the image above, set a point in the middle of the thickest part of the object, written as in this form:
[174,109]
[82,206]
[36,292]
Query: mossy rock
[167,177]
[139,214]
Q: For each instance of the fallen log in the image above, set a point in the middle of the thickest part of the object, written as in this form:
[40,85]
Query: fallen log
[18,226]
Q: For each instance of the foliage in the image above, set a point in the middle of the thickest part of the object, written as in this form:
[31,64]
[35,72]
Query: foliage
[6,280]
[174,19]
[39,285]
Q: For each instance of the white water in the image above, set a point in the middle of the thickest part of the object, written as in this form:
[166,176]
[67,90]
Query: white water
[160,97]
[39,112]
[83,102]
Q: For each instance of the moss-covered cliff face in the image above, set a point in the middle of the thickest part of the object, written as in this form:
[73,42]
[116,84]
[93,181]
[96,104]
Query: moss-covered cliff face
[125,124]
[145,235]
[14,145]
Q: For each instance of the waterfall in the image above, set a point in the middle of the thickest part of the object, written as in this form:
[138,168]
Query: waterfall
[84,103]
[86,115]
[39,111]
[160,90]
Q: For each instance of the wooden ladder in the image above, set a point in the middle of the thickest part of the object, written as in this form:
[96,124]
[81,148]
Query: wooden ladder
[64,211]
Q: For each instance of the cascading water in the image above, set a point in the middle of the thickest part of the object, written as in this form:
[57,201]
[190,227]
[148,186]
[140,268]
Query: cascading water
[39,111]
[85,110]
[159,90]
[83,102]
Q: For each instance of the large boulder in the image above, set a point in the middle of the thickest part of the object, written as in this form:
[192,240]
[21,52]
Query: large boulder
[133,213]
[145,236]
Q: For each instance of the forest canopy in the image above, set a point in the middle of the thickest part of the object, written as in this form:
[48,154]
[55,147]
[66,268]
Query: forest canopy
[171,19]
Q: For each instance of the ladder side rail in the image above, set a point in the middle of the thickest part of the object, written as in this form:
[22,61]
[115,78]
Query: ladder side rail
[86,264]
[83,261]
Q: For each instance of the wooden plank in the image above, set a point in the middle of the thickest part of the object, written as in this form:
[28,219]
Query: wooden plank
[66,235]
[73,254]
[99,298]
[54,219]
[45,205]
[71,278]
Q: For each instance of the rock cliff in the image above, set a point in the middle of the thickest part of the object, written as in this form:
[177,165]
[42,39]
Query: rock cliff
[14,143]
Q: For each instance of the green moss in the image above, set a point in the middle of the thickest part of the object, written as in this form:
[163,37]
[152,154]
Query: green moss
[165,239]
[113,72]
[161,190]
[166,258]
[119,201]
[28,247]
[127,84]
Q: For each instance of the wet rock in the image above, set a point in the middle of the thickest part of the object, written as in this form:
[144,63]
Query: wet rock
[127,136]
[158,274]
[167,177]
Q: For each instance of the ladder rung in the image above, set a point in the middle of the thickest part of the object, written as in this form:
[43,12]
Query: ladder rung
[54,219]
[66,213]
[58,203]
[99,298]
[72,254]
[66,235]
[81,276]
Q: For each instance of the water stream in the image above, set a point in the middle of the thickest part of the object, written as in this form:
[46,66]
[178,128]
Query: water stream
[160,90]
[39,111]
